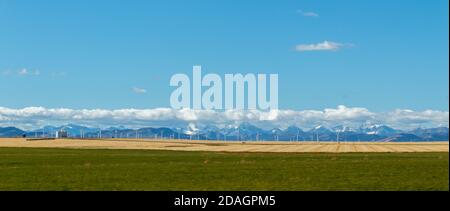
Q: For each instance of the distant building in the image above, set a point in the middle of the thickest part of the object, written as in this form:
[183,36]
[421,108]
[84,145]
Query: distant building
[61,134]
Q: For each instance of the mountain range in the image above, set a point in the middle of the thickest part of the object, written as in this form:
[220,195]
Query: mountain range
[244,131]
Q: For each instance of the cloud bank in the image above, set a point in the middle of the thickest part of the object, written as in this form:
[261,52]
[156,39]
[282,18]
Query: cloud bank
[307,14]
[139,90]
[323,46]
[35,117]
[21,72]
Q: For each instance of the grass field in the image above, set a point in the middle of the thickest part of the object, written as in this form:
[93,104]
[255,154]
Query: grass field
[108,169]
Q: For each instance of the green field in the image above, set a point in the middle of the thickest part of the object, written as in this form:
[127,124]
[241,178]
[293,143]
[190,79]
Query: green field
[92,169]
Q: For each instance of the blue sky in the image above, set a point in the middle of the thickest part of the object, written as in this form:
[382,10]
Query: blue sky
[91,54]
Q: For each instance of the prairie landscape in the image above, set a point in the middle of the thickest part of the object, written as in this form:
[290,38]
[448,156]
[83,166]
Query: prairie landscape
[75,164]
[230,146]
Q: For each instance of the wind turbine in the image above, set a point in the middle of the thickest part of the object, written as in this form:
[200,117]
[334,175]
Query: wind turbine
[239,133]
[337,136]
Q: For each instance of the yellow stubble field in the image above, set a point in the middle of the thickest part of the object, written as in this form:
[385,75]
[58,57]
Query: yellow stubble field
[228,146]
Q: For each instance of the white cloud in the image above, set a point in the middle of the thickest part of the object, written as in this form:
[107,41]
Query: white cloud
[307,14]
[414,119]
[323,46]
[21,72]
[139,90]
[35,117]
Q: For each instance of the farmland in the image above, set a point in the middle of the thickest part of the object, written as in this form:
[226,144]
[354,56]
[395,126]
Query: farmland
[30,168]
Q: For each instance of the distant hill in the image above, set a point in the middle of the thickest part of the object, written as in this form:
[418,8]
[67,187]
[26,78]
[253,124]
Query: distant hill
[402,138]
[432,134]
[11,132]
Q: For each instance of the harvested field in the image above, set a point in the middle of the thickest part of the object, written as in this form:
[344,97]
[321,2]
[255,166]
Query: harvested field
[222,146]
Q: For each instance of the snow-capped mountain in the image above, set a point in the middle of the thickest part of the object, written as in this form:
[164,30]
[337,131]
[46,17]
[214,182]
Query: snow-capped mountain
[191,129]
[244,131]
[293,130]
[381,130]
[342,129]
[72,129]
[320,129]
